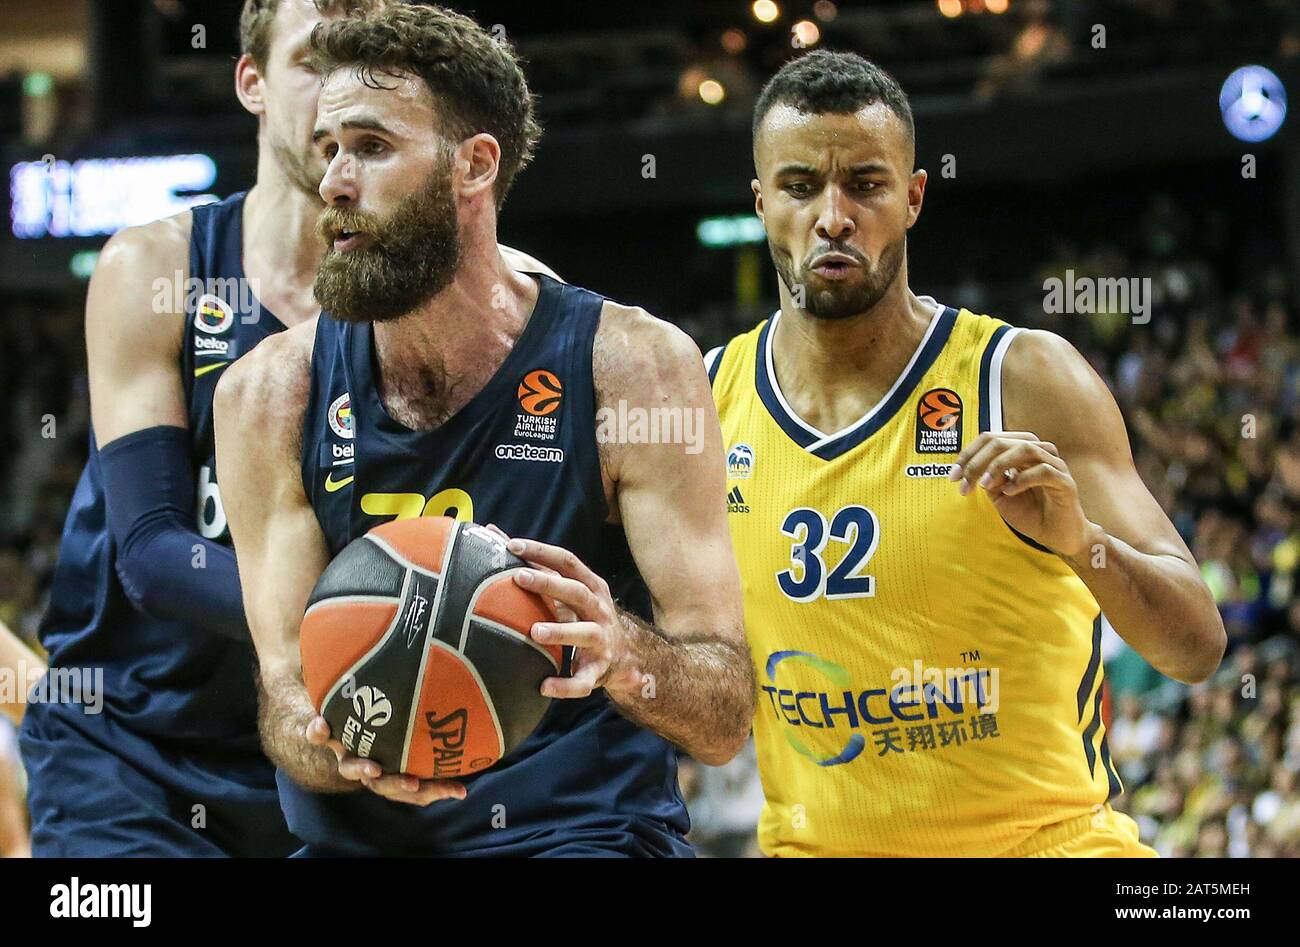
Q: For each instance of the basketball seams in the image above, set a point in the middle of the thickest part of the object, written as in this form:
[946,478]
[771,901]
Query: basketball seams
[483,691]
[513,633]
[356,600]
[470,616]
[407,563]
[429,636]
[350,674]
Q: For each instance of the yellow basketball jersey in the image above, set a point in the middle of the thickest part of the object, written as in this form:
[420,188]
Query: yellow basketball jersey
[929,680]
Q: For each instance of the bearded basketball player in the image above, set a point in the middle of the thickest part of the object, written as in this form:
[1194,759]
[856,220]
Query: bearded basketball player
[146,586]
[425,120]
[932,510]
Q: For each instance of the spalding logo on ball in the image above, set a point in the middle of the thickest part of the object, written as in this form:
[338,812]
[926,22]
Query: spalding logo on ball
[416,648]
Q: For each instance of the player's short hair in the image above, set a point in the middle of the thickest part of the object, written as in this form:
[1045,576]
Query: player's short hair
[257,20]
[839,83]
[476,79]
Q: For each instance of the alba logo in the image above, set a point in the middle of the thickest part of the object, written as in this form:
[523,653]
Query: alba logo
[940,409]
[372,706]
[340,416]
[540,392]
[213,315]
[740,462]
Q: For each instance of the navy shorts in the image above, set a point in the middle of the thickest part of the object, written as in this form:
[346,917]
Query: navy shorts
[139,801]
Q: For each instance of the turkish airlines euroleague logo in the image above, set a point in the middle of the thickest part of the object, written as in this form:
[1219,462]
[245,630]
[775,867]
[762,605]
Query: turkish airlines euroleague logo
[540,392]
[938,422]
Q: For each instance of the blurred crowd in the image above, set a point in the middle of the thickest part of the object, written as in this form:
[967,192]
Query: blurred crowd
[1209,389]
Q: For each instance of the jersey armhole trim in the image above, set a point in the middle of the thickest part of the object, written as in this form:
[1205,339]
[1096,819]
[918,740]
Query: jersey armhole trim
[991,420]
[995,352]
[713,361]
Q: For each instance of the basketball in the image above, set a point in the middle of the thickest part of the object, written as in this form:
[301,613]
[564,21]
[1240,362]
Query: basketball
[416,648]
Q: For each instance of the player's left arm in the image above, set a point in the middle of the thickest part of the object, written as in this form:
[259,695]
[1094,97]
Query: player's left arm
[1076,491]
[688,677]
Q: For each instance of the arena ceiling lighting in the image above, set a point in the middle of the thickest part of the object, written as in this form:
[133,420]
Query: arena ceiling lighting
[100,196]
[1253,103]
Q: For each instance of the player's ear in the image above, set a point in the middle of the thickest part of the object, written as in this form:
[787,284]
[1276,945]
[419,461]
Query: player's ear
[915,195]
[758,198]
[248,85]
[478,160]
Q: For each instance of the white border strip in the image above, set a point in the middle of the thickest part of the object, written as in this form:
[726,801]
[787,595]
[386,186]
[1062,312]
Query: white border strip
[995,380]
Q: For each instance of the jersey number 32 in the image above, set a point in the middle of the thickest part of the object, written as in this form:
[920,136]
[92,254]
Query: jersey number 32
[807,579]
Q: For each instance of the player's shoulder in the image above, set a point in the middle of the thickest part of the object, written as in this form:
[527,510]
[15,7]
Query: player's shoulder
[634,347]
[1048,387]
[147,251]
[730,366]
[268,387]
[1039,360]
[523,262]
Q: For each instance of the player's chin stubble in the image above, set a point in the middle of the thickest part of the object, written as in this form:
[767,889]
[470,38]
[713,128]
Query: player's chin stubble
[825,300]
[412,256]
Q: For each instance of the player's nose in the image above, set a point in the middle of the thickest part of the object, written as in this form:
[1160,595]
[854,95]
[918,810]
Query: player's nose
[835,218]
[339,186]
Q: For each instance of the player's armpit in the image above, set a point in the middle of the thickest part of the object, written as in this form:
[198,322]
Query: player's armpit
[1134,562]
[259,406]
[688,677]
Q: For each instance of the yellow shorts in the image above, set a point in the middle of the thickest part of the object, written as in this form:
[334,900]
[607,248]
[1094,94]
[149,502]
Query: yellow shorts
[1104,834]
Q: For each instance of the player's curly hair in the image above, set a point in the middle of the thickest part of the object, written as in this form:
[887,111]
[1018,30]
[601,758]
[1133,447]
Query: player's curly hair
[475,78]
[257,20]
[839,83]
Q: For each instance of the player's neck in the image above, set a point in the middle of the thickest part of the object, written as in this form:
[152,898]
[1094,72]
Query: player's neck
[434,360]
[831,371]
[281,247]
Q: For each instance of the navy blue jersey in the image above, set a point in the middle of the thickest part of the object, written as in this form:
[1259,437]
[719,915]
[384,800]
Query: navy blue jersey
[521,454]
[168,686]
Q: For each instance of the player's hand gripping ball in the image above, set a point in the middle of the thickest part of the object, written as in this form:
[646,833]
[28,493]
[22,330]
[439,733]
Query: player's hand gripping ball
[416,649]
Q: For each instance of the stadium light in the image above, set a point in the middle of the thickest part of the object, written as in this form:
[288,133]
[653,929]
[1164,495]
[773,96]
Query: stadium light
[950,8]
[712,91]
[1253,103]
[806,34]
[825,10]
[717,232]
[734,41]
[765,11]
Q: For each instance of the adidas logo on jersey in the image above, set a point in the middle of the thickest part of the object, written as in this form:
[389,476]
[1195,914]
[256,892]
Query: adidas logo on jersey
[735,502]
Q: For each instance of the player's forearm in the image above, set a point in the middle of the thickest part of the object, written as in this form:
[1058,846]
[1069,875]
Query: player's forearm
[283,717]
[1157,603]
[697,692]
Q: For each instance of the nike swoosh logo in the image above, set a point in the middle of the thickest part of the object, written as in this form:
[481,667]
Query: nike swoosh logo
[331,485]
[200,372]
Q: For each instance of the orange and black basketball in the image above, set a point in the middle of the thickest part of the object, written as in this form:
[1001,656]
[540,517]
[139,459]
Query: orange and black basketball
[416,648]
[540,392]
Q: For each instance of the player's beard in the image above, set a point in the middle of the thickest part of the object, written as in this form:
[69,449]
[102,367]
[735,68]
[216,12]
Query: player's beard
[412,255]
[840,300]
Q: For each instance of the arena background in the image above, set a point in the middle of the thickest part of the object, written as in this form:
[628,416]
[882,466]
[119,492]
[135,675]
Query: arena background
[1060,135]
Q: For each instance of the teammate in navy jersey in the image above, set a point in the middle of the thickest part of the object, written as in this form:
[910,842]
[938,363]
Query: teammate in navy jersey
[427,338]
[146,588]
